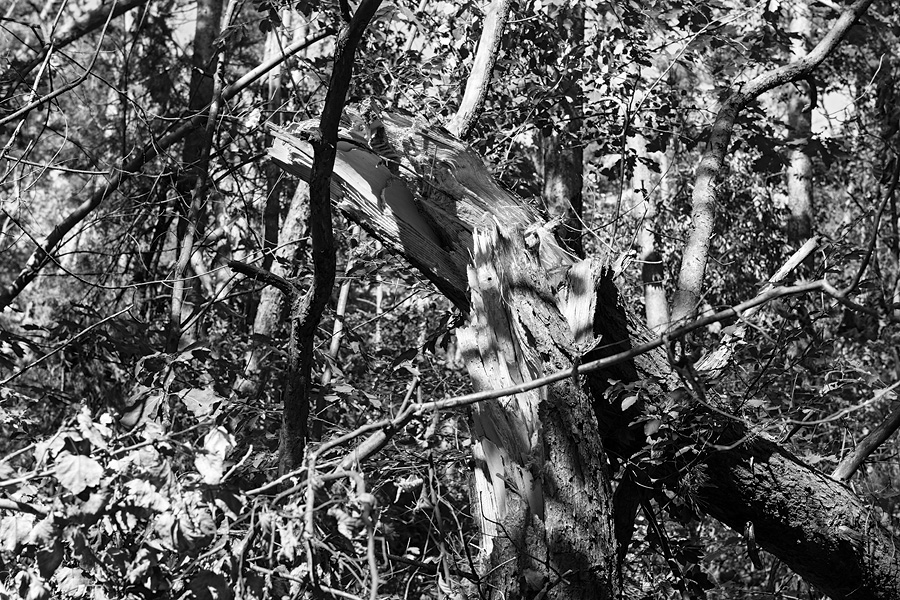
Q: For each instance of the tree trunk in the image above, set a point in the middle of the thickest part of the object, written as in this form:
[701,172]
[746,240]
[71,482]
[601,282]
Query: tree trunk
[799,171]
[816,525]
[432,212]
[192,185]
[270,311]
[642,206]
[562,152]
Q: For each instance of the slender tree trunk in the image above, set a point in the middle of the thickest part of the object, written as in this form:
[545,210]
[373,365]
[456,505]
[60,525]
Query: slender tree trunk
[306,310]
[274,177]
[799,171]
[193,184]
[645,190]
[270,311]
[562,152]
[704,197]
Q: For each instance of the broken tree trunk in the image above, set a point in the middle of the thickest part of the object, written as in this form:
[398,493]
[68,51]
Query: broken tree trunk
[541,487]
[428,197]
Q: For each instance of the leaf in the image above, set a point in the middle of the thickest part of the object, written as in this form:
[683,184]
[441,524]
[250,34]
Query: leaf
[14,530]
[218,442]
[141,407]
[211,462]
[95,433]
[200,402]
[144,494]
[207,585]
[210,467]
[629,402]
[71,582]
[76,473]
[409,354]
[49,557]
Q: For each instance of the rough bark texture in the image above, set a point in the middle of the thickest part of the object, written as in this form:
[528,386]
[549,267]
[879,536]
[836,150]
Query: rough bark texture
[541,486]
[816,525]
[424,195]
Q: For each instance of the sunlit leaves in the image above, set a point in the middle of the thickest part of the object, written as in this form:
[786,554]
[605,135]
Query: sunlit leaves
[77,472]
[210,462]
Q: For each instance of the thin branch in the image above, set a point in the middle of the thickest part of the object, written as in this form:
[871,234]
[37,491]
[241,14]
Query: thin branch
[198,194]
[263,276]
[22,112]
[873,238]
[385,429]
[718,358]
[75,31]
[853,461]
[16,506]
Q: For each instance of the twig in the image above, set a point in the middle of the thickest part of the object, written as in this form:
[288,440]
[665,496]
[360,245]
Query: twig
[56,93]
[873,239]
[15,505]
[263,276]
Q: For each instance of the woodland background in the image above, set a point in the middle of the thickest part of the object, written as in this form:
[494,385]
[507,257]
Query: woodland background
[142,374]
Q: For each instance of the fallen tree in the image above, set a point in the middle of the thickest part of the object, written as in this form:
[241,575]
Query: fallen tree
[541,479]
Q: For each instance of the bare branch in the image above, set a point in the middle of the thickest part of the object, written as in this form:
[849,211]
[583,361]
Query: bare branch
[267,277]
[74,31]
[853,461]
[17,506]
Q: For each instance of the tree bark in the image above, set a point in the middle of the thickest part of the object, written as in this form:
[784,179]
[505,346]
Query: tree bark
[562,152]
[799,171]
[541,489]
[478,82]
[816,525]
